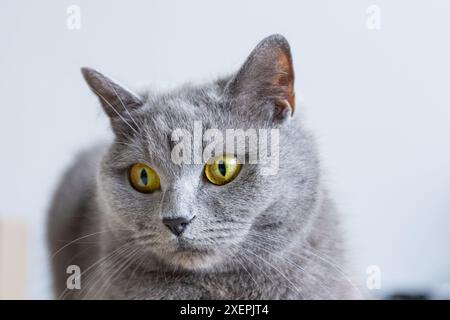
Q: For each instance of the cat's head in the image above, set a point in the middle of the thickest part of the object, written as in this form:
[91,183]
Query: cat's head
[197,214]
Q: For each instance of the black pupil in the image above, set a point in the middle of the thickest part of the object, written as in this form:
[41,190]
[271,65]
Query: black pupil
[222,168]
[144,177]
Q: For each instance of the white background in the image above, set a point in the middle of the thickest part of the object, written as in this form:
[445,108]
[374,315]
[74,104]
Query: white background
[378,102]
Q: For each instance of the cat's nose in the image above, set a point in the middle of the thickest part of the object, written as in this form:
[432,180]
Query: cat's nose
[176,225]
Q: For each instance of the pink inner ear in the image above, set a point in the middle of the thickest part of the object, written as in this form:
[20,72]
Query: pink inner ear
[284,106]
[285,80]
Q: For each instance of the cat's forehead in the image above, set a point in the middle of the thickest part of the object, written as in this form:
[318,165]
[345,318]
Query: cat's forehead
[181,109]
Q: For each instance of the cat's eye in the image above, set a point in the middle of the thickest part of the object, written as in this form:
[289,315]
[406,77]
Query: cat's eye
[222,169]
[144,178]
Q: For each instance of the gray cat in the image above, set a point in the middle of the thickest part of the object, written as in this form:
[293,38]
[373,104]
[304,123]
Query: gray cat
[140,226]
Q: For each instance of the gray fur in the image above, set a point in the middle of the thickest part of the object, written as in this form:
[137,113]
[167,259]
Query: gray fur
[258,237]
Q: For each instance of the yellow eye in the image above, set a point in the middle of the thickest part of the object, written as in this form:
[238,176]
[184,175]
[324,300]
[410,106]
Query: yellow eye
[143,178]
[222,169]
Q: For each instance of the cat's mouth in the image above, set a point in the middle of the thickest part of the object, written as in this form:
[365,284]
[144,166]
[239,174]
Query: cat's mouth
[186,246]
[187,255]
[194,260]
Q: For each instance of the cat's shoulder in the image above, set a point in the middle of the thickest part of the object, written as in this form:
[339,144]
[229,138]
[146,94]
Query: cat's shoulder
[88,159]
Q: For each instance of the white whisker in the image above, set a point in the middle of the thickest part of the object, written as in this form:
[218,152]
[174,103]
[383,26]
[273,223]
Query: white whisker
[115,110]
[126,109]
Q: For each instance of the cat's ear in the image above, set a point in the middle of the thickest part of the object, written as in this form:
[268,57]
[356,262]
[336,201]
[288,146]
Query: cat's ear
[117,101]
[267,77]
